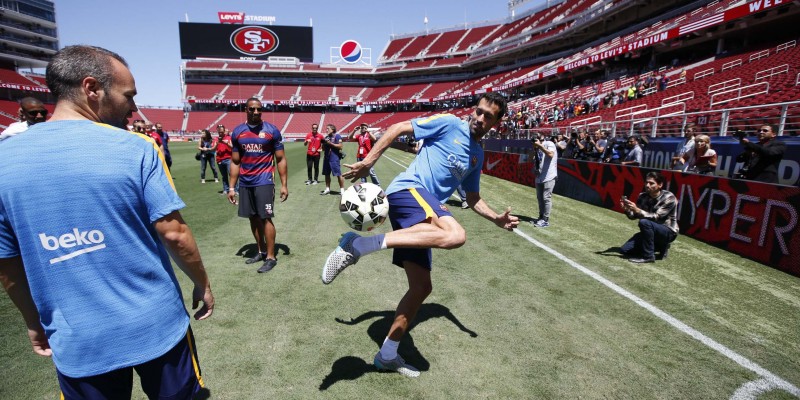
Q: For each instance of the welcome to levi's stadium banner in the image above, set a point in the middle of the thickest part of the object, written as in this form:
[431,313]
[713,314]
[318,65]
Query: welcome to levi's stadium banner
[755,220]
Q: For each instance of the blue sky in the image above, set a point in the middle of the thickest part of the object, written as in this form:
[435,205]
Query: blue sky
[145,32]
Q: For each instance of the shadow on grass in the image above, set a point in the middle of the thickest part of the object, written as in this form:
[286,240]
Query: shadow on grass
[250,250]
[611,252]
[525,218]
[351,368]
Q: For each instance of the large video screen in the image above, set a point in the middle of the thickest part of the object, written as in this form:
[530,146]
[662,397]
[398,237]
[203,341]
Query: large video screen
[245,42]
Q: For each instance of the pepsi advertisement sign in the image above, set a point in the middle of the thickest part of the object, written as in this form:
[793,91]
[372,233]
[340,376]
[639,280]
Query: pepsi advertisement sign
[350,51]
[245,42]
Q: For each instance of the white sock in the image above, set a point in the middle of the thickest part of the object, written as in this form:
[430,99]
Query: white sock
[389,349]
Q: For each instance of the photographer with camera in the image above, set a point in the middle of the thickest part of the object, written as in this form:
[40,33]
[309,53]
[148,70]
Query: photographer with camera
[614,150]
[596,145]
[545,167]
[761,159]
[657,212]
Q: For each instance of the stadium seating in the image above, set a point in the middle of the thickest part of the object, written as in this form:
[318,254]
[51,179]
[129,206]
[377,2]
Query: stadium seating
[203,91]
[171,119]
[320,93]
[445,42]
[300,124]
[279,92]
[242,91]
[342,121]
[12,77]
[346,92]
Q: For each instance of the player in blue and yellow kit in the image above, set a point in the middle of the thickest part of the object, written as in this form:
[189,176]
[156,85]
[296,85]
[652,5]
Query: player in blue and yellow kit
[450,156]
[85,247]
[256,149]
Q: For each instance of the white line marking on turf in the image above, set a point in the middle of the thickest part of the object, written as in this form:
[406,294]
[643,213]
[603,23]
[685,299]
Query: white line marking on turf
[770,380]
[749,390]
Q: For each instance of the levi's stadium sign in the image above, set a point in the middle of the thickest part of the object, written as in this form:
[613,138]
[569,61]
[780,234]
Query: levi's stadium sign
[244,42]
[235,17]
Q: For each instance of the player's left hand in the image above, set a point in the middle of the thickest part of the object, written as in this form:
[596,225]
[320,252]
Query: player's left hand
[202,294]
[357,171]
[506,220]
[284,193]
[38,338]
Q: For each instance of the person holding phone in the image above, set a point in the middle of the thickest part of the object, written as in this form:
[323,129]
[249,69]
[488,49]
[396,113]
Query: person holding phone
[657,212]
[701,159]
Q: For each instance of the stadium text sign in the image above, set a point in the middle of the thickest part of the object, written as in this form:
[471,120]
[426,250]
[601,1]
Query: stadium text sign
[756,220]
[236,17]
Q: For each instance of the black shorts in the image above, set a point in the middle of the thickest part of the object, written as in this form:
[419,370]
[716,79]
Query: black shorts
[257,200]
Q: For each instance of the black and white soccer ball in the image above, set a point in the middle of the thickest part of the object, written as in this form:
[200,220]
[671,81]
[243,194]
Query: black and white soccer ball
[364,206]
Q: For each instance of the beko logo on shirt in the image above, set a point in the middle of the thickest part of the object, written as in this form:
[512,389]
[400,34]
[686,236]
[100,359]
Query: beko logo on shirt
[93,239]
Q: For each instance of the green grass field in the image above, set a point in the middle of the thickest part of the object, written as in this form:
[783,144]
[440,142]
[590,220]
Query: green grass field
[527,315]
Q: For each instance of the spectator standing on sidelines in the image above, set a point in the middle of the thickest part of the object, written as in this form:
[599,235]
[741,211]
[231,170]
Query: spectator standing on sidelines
[634,155]
[164,143]
[207,147]
[451,155]
[702,159]
[657,212]
[257,148]
[761,159]
[224,147]
[365,141]
[331,165]
[97,294]
[545,161]
[313,143]
[140,127]
[32,112]
[687,148]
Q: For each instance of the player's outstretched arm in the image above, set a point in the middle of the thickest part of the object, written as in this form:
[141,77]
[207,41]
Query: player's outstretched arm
[15,282]
[361,168]
[504,220]
[180,243]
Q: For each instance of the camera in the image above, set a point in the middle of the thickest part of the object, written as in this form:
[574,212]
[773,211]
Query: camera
[739,134]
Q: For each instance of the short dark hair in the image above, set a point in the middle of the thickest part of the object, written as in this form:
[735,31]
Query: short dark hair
[496,99]
[656,176]
[772,127]
[332,126]
[72,64]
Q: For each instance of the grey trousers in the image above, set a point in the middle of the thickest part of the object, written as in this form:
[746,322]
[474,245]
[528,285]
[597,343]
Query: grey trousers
[544,195]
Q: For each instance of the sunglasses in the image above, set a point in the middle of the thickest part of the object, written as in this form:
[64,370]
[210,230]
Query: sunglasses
[763,130]
[34,113]
[254,109]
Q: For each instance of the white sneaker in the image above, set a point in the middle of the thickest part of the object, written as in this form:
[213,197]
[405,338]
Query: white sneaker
[314,182]
[342,257]
[398,365]
[216,180]
[308,182]
[326,191]
[202,181]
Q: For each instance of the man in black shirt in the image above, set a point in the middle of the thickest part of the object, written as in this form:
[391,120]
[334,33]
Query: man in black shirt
[761,159]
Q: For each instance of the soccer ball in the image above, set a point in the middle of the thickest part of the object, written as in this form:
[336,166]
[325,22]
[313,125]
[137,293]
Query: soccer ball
[364,206]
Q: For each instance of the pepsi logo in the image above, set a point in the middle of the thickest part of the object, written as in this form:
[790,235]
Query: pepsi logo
[254,40]
[350,51]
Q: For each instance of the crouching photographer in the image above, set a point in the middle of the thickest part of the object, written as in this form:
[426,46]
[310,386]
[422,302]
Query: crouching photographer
[760,159]
[657,212]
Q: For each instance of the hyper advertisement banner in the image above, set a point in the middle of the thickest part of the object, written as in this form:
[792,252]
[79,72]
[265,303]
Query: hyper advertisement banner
[758,221]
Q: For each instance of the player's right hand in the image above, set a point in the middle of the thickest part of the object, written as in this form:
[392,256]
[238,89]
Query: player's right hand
[232,197]
[41,345]
[202,294]
[357,171]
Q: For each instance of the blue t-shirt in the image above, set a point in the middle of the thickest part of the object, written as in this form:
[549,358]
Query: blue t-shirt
[331,154]
[256,146]
[449,157]
[82,219]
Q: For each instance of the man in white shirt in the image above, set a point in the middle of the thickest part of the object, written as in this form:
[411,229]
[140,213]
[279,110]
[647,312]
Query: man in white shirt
[32,112]
[545,163]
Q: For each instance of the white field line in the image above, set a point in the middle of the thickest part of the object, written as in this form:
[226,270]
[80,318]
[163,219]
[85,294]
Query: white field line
[775,380]
[745,391]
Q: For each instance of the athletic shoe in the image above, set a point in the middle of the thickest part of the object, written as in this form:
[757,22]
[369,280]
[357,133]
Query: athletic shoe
[464,205]
[308,182]
[340,258]
[398,365]
[202,181]
[541,223]
[314,182]
[258,257]
[269,264]
[216,180]
[326,191]
[642,260]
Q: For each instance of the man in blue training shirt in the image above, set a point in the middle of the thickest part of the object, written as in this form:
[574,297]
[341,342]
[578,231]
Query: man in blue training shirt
[85,248]
[450,156]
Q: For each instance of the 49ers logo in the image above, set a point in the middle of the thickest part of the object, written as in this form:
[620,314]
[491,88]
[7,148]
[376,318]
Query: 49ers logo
[254,40]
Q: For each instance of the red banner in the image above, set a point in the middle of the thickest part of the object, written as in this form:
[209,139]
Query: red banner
[756,220]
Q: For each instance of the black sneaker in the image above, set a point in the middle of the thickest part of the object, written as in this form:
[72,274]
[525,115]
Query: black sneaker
[258,257]
[269,264]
